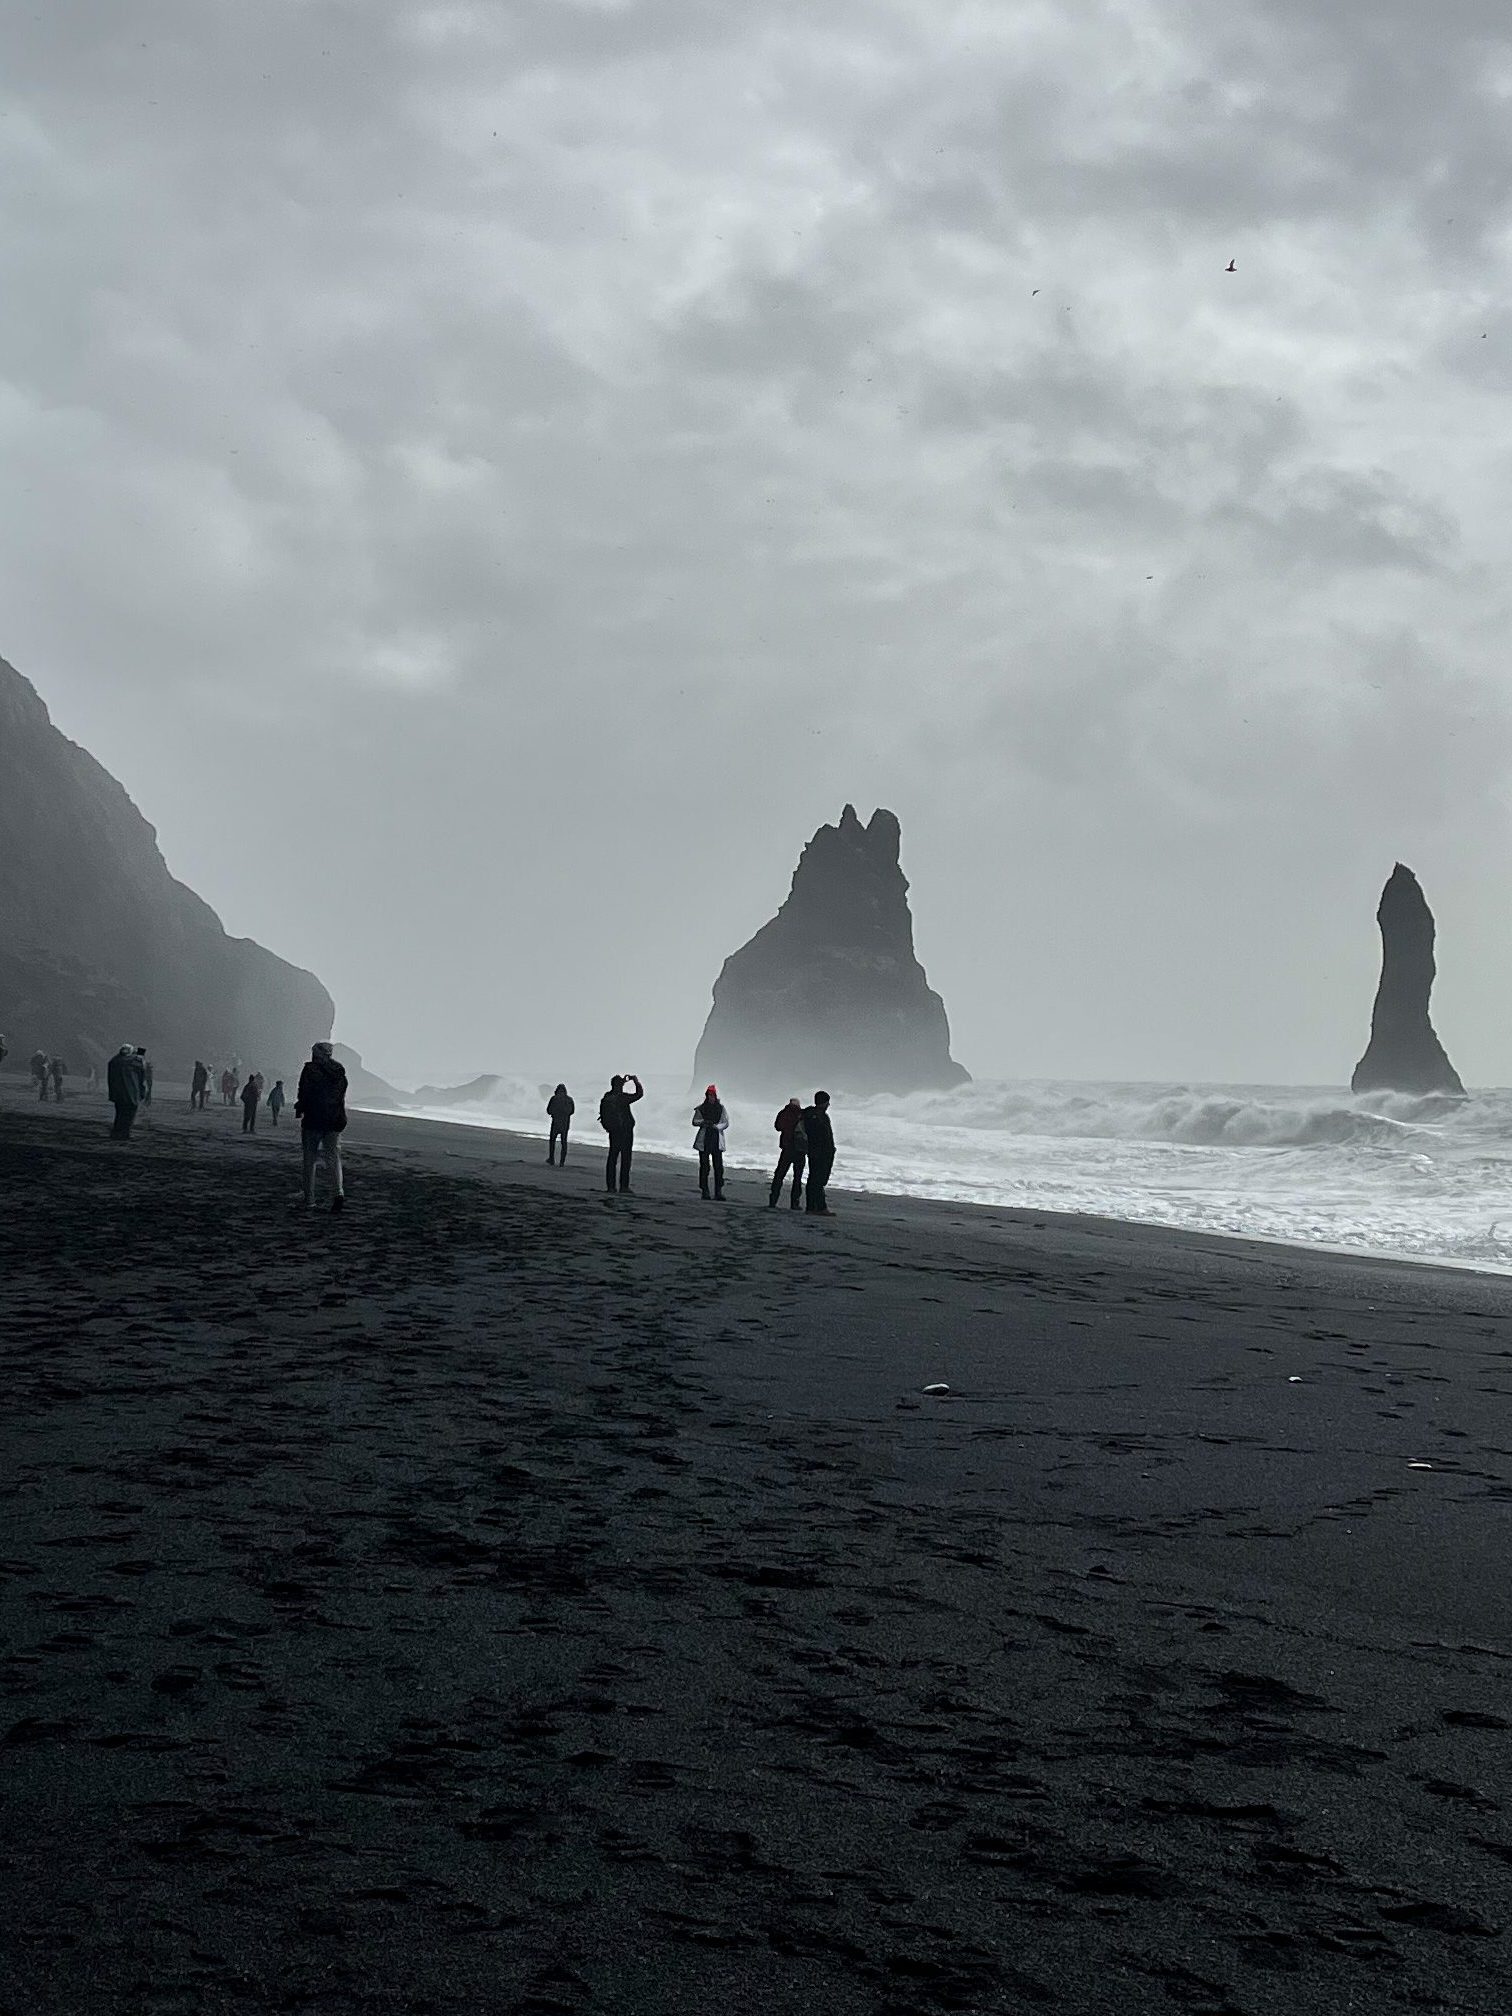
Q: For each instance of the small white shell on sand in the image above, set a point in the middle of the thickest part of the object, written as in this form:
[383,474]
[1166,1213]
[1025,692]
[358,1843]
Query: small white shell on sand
[1419,1466]
[936,1389]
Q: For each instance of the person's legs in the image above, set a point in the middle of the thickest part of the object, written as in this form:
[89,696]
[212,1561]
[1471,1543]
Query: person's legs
[565,1132]
[718,1160]
[703,1171]
[333,1170]
[625,1153]
[797,1183]
[309,1143]
[611,1166]
[784,1163]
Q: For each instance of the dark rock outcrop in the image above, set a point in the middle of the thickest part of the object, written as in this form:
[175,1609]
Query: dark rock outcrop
[100,946]
[1404,1054]
[830,992]
[365,1088]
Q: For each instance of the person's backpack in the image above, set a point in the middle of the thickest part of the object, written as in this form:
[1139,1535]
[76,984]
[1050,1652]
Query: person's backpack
[604,1120]
[798,1141]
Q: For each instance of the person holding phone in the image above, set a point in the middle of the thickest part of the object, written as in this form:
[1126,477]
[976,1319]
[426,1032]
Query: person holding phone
[617,1119]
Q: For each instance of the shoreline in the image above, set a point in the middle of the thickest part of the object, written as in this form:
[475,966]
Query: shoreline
[1012,1213]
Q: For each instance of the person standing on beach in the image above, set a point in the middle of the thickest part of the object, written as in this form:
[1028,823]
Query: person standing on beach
[618,1122]
[276,1100]
[792,1146]
[39,1072]
[199,1087]
[58,1071]
[820,1135]
[126,1086]
[560,1108]
[146,1075]
[711,1120]
[251,1093]
[320,1106]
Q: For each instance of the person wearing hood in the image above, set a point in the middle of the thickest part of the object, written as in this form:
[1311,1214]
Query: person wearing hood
[127,1089]
[792,1147]
[617,1119]
[199,1086]
[560,1108]
[251,1095]
[710,1121]
[276,1100]
[320,1106]
[819,1132]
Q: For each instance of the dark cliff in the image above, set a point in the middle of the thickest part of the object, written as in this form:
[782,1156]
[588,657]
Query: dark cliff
[100,946]
[1404,1054]
[830,992]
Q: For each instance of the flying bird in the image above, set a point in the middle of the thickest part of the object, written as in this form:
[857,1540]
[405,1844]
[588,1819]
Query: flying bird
[1230,267]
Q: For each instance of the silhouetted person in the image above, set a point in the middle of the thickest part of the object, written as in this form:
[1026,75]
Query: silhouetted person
[276,1100]
[711,1120]
[199,1087]
[820,1136]
[250,1095]
[792,1147]
[39,1064]
[618,1122]
[127,1088]
[58,1071]
[320,1104]
[228,1088]
[560,1108]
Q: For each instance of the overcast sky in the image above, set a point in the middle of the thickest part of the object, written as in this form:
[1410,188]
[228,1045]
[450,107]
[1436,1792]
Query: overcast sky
[490,479]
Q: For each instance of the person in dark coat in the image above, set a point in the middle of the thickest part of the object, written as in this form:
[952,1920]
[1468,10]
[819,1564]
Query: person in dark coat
[199,1086]
[560,1108]
[618,1122]
[792,1148]
[59,1071]
[251,1094]
[127,1089]
[710,1119]
[820,1136]
[276,1100]
[320,1105]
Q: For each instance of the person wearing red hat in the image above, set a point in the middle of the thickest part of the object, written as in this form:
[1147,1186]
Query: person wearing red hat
[710,1120]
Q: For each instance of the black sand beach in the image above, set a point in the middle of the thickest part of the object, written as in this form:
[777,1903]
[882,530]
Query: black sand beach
[504,1598]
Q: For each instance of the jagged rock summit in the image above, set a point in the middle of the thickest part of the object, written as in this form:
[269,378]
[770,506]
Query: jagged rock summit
[1404,1054]
[100,946]
[830,993]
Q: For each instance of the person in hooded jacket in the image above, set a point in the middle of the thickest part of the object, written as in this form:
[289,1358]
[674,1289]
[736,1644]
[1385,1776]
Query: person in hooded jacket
[617,1119]
[127,1089]
[711,1121]
[792,1148]
[276,1100]
[251,1096]
[320,1106]
[199,1086]
[820,1135]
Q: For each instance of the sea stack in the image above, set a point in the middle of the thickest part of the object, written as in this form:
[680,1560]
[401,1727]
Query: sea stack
[100,946]
[830,992]
[1404,1054]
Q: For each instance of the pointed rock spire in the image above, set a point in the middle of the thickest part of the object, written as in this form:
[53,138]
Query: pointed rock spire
[1404,1054]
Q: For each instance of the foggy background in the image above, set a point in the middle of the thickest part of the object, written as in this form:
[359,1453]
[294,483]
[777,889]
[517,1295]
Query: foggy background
[491,479]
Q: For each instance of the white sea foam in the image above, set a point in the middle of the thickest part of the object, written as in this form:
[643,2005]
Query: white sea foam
[1427,1178]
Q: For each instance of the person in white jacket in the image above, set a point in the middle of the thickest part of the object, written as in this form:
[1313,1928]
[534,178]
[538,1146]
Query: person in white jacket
[710,1121]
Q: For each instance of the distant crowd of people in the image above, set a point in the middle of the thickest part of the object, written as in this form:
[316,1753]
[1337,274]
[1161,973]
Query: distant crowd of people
[805,1142]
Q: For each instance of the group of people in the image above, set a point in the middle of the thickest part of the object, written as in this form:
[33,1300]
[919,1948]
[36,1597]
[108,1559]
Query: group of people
[234,1087]
[805,1138]
[319,1104]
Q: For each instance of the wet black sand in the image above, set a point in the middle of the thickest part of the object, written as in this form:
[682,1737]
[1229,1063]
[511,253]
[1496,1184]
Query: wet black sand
[504,1599]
